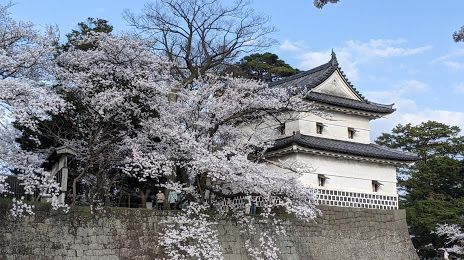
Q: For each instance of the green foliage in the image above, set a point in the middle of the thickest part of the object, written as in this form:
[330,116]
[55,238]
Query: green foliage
[266,67]
[433,187]
[84,28]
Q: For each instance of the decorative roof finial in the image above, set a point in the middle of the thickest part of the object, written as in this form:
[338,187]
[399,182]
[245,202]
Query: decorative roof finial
[333,58]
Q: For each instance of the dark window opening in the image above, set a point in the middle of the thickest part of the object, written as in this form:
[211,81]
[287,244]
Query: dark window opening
[351,133]
[281,129]
[375,186]
[322,180]
[319,128]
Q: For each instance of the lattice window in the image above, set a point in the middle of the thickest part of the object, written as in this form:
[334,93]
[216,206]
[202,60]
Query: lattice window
[357,200]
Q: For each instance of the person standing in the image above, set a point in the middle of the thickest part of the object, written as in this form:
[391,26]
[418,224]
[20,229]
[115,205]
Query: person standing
[247,204]
[160,200]
[253,205]
[172,198]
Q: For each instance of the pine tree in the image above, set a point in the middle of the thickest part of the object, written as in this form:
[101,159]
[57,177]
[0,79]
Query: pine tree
[432,190]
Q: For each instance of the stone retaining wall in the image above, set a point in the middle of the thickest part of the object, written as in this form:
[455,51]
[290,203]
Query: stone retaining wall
[341,233]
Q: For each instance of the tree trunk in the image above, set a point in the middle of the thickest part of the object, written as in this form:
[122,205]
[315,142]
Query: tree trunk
[144,196]
[74,187]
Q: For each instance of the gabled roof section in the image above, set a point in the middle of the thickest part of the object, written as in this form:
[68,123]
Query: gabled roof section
[345,147]
[309,80]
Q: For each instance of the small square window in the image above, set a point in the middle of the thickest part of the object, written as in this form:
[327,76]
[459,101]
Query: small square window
[319,128]
[376,186]
[351,133]
[281,129]
[321,180]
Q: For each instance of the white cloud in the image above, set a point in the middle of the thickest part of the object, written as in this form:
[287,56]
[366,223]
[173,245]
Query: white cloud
[452,118]
[400,94]
[459,89]
[456,53]
[405,104]
[313,59]
[390,97]
[352,53]
[381,96]
[292,46]
[454,64]
[408,87]
[383,48]
[449,60]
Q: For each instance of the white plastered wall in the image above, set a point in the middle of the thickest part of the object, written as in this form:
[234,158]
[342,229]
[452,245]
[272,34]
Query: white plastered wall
[346,174]
[336,127]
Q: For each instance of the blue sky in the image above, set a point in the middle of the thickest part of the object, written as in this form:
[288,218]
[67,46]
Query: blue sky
[393,51]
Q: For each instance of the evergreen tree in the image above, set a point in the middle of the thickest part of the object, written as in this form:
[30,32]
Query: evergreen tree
[432,190]
[90,25]
[266,67]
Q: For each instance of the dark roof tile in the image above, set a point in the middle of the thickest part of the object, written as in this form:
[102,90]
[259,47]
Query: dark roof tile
[344,147]
[310,79]
[349,103]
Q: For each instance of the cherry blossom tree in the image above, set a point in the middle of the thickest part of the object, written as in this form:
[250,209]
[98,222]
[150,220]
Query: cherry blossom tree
[25,93]
[454,238]
[113,109]
[108,88]
[211,144]
[214,139]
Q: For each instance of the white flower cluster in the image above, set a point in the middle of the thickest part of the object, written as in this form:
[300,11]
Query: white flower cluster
[56,204]
[267,248]
[454,237]
[190,235]
[20,209]
[4,186]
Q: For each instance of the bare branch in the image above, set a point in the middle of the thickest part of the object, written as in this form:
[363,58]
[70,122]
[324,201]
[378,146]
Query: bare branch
[202,34]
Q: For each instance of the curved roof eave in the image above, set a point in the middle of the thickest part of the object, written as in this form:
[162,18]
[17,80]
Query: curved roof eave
[345,147]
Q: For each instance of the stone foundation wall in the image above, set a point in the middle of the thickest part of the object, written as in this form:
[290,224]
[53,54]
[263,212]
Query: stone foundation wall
[341,233]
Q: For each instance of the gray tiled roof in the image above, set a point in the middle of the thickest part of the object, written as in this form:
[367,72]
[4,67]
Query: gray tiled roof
[310,79]
[344,147]
[350,103]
